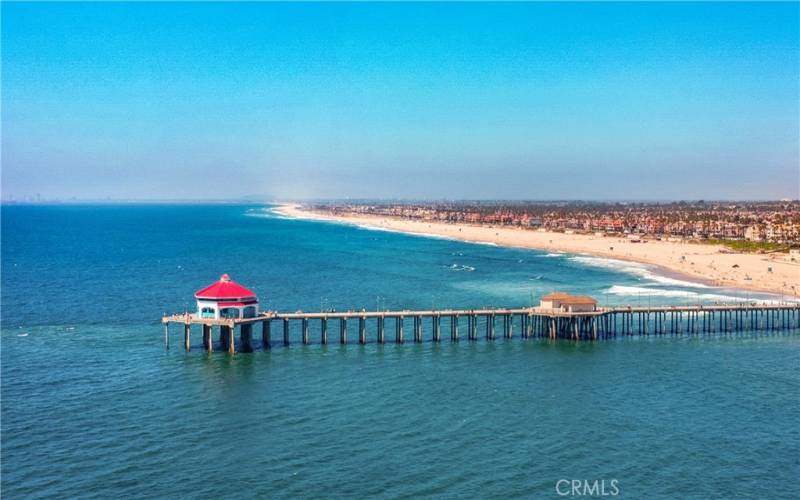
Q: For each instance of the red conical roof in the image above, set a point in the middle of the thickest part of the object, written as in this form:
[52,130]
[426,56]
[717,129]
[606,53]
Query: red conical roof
[225,288]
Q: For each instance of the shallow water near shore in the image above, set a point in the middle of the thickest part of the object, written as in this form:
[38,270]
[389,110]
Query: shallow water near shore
[94,406]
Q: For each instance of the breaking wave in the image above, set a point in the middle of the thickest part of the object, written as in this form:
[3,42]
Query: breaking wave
[266,213]
[369,227]
[642,270]
[456,267]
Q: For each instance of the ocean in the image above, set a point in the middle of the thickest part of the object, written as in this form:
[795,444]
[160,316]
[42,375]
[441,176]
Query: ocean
[94,406]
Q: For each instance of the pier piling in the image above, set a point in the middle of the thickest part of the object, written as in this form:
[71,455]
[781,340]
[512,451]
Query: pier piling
[208,338]
[398,325]
[246,337]
[265,334]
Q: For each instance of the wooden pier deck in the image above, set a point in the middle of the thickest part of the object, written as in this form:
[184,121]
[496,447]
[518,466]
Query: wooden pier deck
[532,322]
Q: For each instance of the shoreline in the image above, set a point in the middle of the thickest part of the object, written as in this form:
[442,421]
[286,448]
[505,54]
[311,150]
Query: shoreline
[700,264]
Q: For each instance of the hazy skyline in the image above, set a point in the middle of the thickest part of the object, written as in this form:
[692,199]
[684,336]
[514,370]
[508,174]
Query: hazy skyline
[503,101]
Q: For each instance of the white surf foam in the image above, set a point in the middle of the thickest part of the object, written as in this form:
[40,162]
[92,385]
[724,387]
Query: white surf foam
[457,267]
[635,268]
[370,227]
[672,281]
[270,213]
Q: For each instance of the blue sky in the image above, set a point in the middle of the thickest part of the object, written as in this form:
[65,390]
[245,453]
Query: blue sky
[534,101]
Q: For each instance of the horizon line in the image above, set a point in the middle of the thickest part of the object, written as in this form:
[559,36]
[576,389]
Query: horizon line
[249,200]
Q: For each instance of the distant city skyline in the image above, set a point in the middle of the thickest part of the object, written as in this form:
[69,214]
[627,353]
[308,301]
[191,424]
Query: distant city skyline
[157,101]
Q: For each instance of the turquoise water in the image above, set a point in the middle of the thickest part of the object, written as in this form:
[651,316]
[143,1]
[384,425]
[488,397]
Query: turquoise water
[93,406]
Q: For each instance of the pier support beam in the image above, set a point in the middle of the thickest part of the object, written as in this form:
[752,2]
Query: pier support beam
[417,329]
[226,333]
[437,327]
[398,326]
[381,331]
[304,327]
[362,330]
[324,330]
[187,332]
[208,338]
[265,334]
[285,332]
[343,331]
[246,336]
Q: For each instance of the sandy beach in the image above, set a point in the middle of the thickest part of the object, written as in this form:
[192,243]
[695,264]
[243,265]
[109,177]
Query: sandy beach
[708,264]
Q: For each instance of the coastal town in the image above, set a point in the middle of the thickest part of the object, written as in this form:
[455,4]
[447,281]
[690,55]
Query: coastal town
[765,225]
[708,243]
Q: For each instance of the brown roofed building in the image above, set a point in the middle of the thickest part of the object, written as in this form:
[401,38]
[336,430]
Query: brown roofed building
[564,302]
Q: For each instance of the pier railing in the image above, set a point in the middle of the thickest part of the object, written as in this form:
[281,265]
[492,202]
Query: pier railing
[531,322]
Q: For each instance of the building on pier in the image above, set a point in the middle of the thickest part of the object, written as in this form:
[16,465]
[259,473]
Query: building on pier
[565,302]
[226,299]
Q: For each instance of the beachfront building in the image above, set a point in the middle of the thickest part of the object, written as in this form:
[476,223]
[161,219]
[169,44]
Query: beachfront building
[226,299]
[565,302]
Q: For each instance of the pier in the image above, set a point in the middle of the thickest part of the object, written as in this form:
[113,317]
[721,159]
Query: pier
[226,306]
[278,328]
